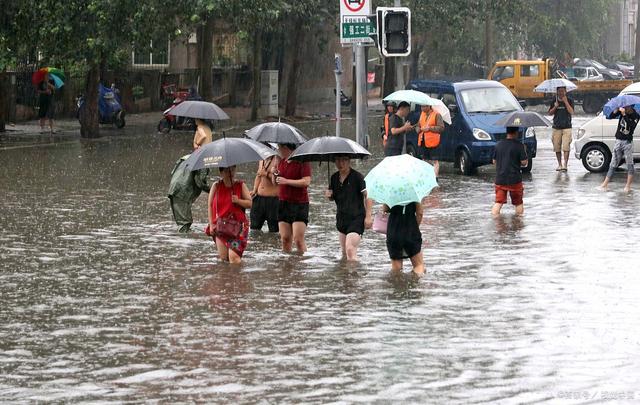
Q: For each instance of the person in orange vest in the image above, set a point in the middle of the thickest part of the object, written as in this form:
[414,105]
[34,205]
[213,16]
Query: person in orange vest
[431,126]
[390,109]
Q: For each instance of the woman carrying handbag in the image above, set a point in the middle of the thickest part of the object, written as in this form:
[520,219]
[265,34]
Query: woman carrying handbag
[228,223]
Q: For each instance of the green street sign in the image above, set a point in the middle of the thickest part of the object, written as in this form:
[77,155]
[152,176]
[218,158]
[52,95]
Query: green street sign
[356,29]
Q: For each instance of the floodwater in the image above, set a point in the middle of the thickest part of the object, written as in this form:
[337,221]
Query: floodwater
[102,300]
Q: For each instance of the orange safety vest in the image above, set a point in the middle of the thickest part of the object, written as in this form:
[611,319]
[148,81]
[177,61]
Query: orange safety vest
[386,129]
[431,139]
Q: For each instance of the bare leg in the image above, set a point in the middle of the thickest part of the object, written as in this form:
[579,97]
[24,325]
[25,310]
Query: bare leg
[417,261]
[559,159]
[352,243]
[285,235]
[436,167]
[42,122]
[299,229]
[396,265]
[234,258]
[605,184]
[223,252]
[343,241]
[496,209]
[51,125]
[520,209]
[566,159]
[627,187]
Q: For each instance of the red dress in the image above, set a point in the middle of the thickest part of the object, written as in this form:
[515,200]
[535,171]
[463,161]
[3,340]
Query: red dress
[221,206]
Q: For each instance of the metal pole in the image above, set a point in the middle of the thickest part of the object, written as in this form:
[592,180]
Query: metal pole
[399,61]
[338,72]
[361,96]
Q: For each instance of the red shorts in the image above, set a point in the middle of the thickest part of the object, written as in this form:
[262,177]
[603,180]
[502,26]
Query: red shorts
[516,191]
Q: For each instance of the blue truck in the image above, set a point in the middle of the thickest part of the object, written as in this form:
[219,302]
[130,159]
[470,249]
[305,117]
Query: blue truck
[475,106]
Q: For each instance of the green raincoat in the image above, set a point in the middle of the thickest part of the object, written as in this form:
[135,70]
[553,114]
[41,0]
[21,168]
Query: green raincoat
[184,188]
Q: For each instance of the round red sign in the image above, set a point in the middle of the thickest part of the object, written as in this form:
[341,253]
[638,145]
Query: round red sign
[354,5]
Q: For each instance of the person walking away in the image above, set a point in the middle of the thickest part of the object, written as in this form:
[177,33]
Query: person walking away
[353,214]
[509,156]
[203,134]
[292,178]
[228,199]
[390,109]
[404,239]
[397,130]
[265,196]
[431,126]
[562,110]
[46,108]
[627,122]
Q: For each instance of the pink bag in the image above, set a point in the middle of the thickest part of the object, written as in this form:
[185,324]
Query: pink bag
[380,222]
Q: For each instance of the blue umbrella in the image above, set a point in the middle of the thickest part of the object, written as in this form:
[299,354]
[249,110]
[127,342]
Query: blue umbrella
[621,101]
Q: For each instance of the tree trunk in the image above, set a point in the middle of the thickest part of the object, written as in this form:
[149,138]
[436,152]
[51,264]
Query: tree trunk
[206,63]
[488,43]
[389,84]
[89,116]
[413,62]
[636,71]
[292,87]
[4,102]
[257,65]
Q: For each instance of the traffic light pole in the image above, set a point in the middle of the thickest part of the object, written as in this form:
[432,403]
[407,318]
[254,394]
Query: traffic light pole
[338,72]
[361,95]
[399,61]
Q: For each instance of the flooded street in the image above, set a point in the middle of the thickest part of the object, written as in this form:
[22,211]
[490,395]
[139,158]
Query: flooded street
[103,300]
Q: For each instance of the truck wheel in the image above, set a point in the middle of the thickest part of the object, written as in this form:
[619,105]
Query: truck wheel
[592,104]
[527,169]
[596,158]
[463,163]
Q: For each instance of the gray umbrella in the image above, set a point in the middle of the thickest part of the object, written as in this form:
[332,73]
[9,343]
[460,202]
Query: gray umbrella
[199,109]
[276,132]
[228,152]
[523,119]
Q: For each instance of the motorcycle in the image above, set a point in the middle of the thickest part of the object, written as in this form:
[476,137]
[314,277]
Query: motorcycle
[179,123]
[345,101]
[109,106]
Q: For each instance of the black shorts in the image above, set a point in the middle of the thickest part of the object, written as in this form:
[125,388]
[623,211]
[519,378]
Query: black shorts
[293,212]
[393,151]
[429,153]
[264,209]
[347,224]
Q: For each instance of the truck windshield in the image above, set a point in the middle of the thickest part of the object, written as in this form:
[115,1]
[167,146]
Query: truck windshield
[489,100]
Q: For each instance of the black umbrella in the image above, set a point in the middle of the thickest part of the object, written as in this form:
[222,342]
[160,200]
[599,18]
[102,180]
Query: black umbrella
[327,149]
[523,119]
[228,152]
[199,109]
[276,132]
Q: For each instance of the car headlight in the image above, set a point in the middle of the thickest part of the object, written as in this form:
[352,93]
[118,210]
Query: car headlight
[530,133]
[481,135]
[581,132]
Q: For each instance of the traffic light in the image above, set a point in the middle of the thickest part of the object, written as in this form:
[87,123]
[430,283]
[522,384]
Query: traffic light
[394,30]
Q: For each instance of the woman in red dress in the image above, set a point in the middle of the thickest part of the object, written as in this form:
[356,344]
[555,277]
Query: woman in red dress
[229,198]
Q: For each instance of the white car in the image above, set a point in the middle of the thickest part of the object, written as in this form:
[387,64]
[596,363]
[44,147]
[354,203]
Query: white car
[596,138]
[587,74]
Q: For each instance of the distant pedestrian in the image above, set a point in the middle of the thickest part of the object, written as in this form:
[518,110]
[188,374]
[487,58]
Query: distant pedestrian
[398,127]
[509,157]
[562,110]
[347,188]
[46,108]
[404,239]
[203,134]
[292,178]
[430,126]
[265,195]
[627,122]
[390,109]
[228,198]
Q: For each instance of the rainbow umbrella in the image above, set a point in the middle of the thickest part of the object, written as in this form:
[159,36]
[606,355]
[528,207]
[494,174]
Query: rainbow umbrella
[55,74]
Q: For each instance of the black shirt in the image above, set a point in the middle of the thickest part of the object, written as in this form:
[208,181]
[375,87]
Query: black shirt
[626,125]
[508,155]
[395,141]
[348,194]
[561,118]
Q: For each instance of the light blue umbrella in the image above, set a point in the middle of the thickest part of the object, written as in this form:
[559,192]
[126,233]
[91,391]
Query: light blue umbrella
[410,96]
[551,86]
[624,100]
[400,180]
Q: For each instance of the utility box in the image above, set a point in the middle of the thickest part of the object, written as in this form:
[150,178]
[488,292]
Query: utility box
[269,93]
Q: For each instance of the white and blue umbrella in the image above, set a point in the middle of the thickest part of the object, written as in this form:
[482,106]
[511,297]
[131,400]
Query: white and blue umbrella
[410,96]
[551,86]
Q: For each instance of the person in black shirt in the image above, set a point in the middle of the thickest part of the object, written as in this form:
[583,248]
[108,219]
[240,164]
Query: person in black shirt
[627,122]
[562,110]
[348,189]
[509,157]
[397,130]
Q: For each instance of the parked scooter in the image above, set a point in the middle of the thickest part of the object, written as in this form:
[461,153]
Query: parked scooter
[109,106]
[345,100]
[179,123]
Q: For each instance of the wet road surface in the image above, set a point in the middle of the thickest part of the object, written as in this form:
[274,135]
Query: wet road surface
[102,299]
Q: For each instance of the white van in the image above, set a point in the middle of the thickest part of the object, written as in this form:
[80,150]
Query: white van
[596,139]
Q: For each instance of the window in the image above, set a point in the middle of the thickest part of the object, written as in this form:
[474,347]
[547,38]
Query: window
[489,100]
[502,72]
[529,71]
[157,54]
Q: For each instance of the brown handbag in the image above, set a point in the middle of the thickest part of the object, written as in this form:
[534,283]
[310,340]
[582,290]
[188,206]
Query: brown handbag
[228,226]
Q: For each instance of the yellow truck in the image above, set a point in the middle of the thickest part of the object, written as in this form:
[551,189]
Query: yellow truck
[522,76]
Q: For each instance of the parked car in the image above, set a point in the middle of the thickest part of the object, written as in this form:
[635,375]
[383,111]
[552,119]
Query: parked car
[626,68]
[608,74]
[585,74]
[475,106]
[596,138]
